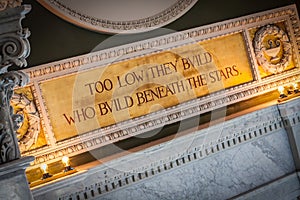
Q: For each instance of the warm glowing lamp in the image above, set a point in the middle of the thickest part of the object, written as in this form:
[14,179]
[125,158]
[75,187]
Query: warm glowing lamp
[295,86]
[44,168]
[281,91]
[66,161]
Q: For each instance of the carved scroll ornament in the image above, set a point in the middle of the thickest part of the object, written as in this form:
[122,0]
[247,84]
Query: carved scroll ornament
[14,49]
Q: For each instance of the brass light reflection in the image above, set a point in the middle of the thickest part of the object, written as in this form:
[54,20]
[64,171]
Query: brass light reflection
[66,161]
[44,168]
[296,87]
[281,91]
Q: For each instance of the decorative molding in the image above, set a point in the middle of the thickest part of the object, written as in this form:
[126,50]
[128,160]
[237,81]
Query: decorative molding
[129,128]
[147,23]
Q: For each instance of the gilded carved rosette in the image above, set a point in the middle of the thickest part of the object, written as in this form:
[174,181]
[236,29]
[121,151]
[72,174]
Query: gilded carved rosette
[273,49]
[14,48]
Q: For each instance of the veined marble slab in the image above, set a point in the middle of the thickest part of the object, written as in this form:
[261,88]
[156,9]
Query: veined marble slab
[220,176]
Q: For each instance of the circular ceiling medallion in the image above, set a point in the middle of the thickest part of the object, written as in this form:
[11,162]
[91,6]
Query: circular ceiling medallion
[119,16]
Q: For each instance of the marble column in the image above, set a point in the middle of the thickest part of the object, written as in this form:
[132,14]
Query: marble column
[14,49]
